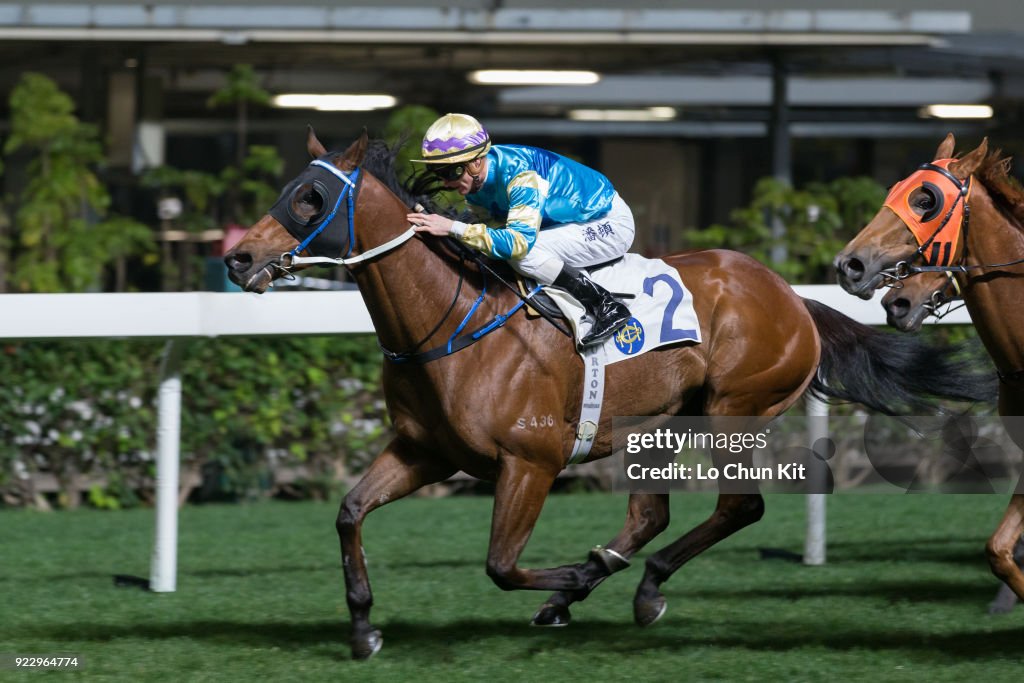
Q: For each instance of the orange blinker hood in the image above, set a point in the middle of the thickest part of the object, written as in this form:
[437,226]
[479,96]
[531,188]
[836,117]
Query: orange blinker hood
[938,229]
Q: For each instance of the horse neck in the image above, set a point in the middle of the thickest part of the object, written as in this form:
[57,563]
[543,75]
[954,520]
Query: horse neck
[992,295]
[406,290]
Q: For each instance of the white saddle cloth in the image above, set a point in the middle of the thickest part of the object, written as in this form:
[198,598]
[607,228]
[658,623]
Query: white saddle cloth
[662,309]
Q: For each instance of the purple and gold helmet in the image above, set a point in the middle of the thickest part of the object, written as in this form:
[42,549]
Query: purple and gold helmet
[454,138]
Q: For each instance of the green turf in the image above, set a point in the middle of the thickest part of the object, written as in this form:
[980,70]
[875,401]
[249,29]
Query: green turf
[260,596]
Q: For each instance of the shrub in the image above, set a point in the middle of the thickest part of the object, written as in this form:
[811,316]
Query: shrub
[250,408]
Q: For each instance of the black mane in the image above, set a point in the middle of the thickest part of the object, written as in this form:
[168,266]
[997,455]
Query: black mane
[420,188]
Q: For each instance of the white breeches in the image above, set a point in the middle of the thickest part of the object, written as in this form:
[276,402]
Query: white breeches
[579,244]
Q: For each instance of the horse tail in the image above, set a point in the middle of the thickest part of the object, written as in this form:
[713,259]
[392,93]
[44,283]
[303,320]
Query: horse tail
[894,374]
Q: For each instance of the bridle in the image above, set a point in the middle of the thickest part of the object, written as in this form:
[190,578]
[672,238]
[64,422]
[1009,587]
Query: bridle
[940,304]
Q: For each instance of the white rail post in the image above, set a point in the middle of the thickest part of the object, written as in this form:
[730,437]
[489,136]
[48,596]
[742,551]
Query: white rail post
[817,428]
[163,575]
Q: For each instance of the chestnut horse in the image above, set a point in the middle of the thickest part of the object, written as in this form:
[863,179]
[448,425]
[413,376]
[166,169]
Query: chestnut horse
[907,304]
[989,263]
[911,300]
[506,408]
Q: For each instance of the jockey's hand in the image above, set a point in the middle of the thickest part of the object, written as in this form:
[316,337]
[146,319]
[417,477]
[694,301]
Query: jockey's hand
[431,223]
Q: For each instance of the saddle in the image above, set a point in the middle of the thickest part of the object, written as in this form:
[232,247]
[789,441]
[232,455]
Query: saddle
[545,303]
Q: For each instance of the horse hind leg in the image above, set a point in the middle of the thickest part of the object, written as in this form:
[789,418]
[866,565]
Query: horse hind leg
[1000,547]
[1006,599]
[739,505]
[646,517]
[732,513]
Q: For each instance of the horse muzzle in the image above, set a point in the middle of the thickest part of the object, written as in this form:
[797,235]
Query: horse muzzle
[901,314]
[249,277]
[856,277]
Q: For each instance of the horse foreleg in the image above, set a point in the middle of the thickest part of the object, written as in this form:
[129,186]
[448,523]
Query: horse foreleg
[518,499]
[1000,547]
[732,513]
[398,471]
[647,516]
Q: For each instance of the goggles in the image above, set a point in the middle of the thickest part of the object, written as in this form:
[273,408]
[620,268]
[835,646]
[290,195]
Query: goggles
[450,172]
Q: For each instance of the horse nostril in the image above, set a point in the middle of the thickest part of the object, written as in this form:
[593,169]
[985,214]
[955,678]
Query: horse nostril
[238,261]
[898,308]
[854,269]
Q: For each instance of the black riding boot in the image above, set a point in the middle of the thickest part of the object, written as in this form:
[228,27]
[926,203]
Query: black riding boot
[608,314]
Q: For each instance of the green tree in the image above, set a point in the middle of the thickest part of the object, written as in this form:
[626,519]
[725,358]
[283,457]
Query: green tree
[240,193]
[820,219]
[257,181]
[63,236]
[242,90]
[406,126]
[5,239]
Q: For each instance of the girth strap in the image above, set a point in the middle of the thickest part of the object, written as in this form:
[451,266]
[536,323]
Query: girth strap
[590,406]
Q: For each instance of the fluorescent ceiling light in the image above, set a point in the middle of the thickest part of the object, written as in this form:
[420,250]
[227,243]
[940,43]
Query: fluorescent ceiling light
[639,90]
[647,114]
[532,77]
[336,102]
[957,111]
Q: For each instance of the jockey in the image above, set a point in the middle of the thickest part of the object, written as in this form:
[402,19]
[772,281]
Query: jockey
[558,215]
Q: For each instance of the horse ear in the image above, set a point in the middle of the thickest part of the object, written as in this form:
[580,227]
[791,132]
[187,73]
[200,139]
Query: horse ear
[355,153]
[945,150]
[970,163]
[313,144]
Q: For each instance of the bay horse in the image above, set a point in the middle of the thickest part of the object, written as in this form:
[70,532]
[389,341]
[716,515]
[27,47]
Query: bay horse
[506,408]
[987,258]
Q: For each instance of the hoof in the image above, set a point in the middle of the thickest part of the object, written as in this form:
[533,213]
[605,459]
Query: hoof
[551,615]
[1004,602]
[647,612]
[364,647]
[1001,607]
